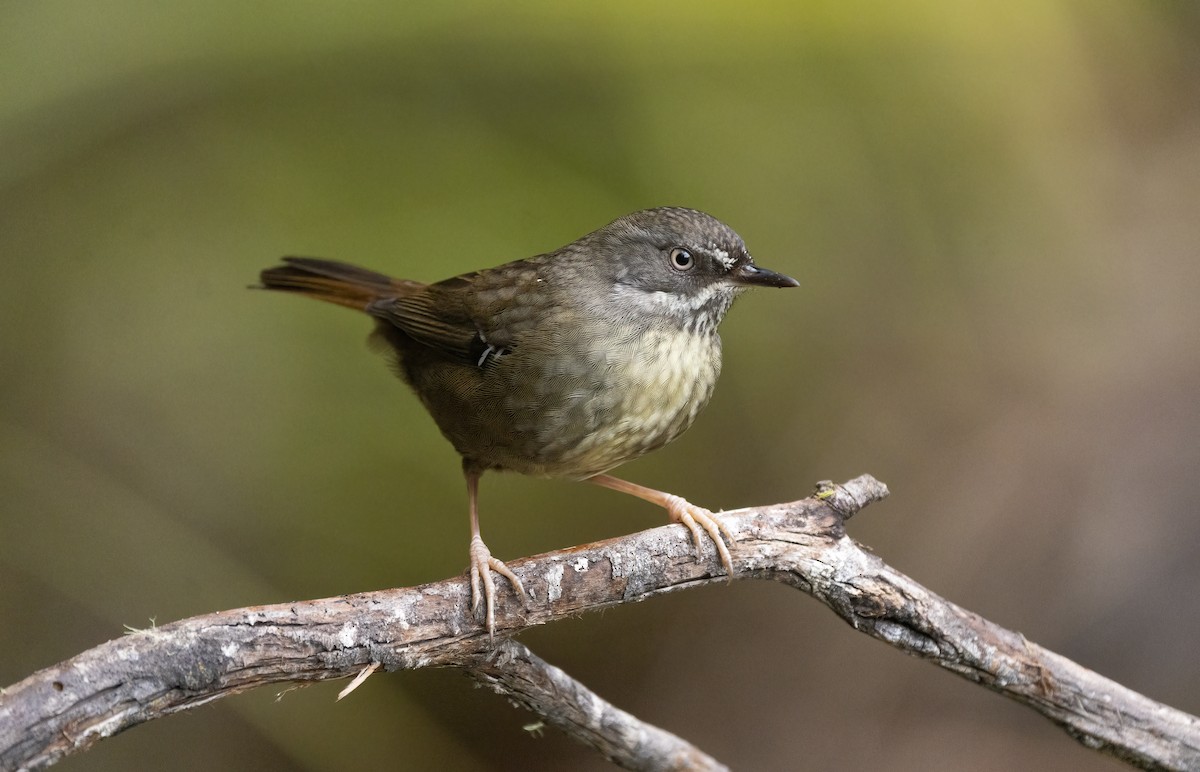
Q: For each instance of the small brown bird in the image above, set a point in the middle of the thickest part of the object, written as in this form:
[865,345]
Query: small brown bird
[566,364]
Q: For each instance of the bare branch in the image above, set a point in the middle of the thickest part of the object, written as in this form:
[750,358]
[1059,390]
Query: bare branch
[70,706]
[513,670]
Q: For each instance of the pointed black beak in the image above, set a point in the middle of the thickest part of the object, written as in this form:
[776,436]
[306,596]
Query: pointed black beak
[750,275]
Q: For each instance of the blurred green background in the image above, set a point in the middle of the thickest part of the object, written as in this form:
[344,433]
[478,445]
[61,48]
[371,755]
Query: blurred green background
[993,211]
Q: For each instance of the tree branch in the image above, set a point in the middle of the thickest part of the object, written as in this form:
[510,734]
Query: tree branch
[516,672]
[70,706]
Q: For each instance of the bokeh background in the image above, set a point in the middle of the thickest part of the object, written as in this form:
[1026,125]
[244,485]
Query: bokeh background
[993,208]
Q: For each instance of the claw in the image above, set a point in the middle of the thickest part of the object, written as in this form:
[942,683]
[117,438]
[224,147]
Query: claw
[681,511]
[695,518]
[483,586]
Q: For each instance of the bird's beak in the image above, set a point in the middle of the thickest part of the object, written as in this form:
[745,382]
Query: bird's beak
[750,275]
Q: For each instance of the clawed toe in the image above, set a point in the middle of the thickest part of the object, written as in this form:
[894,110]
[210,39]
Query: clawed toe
[483,586]
[697,518]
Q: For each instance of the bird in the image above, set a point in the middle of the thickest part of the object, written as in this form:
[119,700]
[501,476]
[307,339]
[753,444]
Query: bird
[562,365]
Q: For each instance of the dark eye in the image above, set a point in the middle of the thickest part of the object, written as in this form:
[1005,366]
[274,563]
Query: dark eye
[682,260]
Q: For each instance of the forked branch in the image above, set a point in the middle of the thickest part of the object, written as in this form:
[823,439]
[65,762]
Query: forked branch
[68,707]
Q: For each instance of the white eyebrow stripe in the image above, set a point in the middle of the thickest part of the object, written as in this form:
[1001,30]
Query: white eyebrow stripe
[722,257]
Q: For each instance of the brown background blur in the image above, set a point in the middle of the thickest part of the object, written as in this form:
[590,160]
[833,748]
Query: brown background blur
[994,211]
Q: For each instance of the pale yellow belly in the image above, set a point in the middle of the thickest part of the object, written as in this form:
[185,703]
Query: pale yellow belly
[562,406]
[636,397]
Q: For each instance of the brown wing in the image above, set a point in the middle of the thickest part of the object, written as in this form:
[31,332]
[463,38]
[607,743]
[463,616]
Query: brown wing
[434,319]
[467,317]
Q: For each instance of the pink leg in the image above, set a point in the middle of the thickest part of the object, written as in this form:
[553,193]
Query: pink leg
[483,587]
[680,511]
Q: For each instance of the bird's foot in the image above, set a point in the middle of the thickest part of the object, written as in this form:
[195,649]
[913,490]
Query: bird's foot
[696,518]
[483,586]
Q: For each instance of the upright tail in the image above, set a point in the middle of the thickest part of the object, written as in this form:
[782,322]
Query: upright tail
[334,282]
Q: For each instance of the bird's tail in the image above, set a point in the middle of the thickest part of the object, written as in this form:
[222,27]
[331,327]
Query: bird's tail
[334,282]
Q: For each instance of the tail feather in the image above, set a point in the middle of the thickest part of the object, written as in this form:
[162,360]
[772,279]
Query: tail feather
[334,282]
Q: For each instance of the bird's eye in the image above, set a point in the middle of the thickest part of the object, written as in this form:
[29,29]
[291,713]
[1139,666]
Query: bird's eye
[682,260]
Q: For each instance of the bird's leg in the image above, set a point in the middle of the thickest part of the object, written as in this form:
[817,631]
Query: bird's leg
[680,511]
[483,587]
